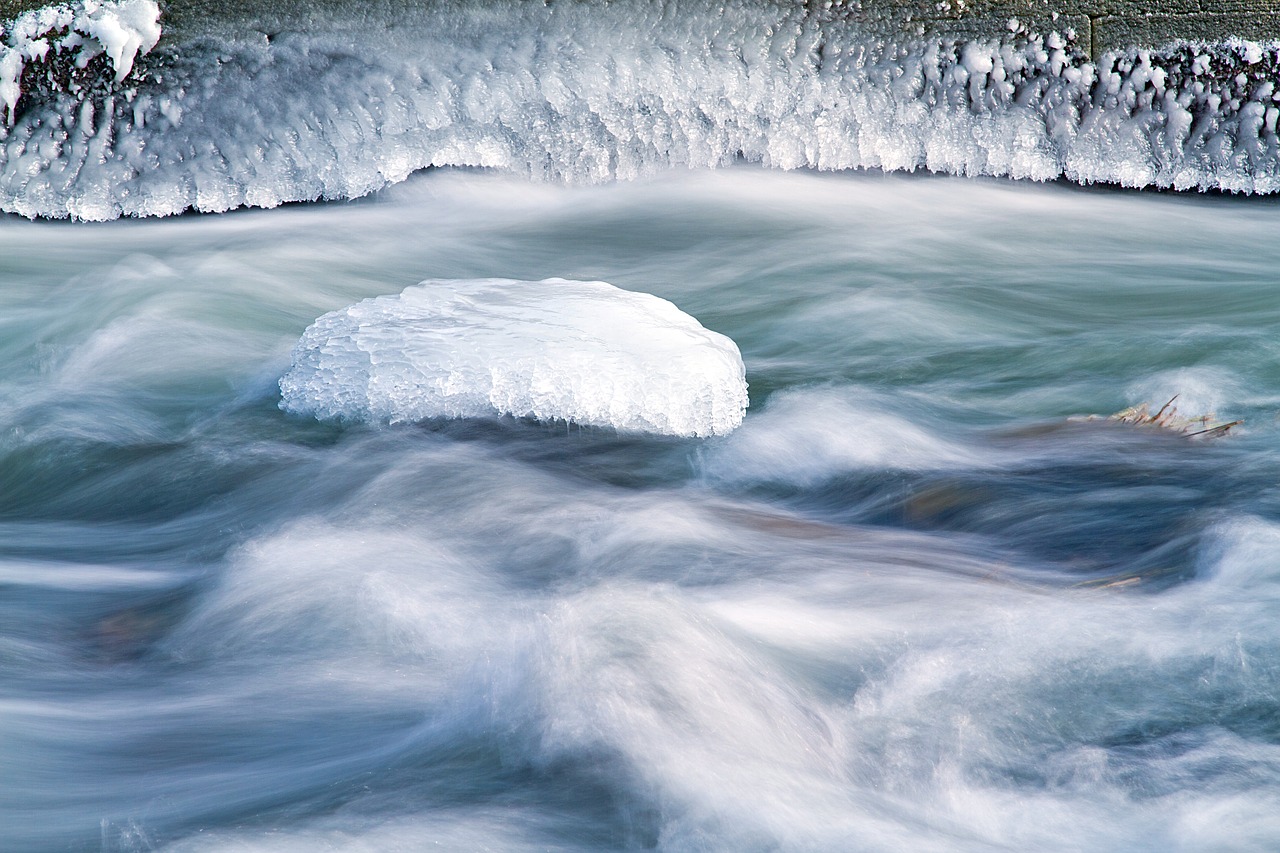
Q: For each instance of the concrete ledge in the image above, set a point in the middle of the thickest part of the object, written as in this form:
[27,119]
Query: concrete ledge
[1116,32]
[1098,25]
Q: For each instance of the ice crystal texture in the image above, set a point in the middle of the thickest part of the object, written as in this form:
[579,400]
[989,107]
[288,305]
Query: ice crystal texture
[584,352]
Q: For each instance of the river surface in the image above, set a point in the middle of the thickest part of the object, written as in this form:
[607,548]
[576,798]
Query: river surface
[909,604]
[918,600]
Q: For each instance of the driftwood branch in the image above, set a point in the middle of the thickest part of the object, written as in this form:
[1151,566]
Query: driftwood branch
[1167,418]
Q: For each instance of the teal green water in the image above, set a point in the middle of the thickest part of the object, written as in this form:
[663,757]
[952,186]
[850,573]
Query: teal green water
[909,604]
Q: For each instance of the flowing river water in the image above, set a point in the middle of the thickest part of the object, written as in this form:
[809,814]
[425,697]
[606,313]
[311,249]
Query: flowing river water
[916,601]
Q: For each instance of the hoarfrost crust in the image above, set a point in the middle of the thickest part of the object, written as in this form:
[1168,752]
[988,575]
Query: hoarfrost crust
[121,30]
[585,93]
[555,350]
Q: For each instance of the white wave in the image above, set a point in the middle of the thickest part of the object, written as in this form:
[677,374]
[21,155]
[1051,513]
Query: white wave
[582,93]
[1241,561]
[555,350]
[1199,391]
[75,576]
[309,589]
[807,436]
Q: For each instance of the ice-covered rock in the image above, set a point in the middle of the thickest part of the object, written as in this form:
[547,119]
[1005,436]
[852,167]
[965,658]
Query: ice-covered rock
[580,351]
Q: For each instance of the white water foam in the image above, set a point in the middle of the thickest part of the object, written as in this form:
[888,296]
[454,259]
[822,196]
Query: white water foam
[995,722]
[555,350]
[580,93]
[804,437]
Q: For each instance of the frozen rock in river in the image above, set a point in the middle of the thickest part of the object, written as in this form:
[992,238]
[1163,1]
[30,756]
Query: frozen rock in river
[554,350]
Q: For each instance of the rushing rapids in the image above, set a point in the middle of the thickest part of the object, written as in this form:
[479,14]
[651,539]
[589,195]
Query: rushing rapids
[388,525]
[908,604]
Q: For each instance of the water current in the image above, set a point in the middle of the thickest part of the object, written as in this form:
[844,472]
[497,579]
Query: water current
[916,600]
[909,603]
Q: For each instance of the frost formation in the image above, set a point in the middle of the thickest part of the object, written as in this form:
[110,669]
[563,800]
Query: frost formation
[80,31]
[585,93]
